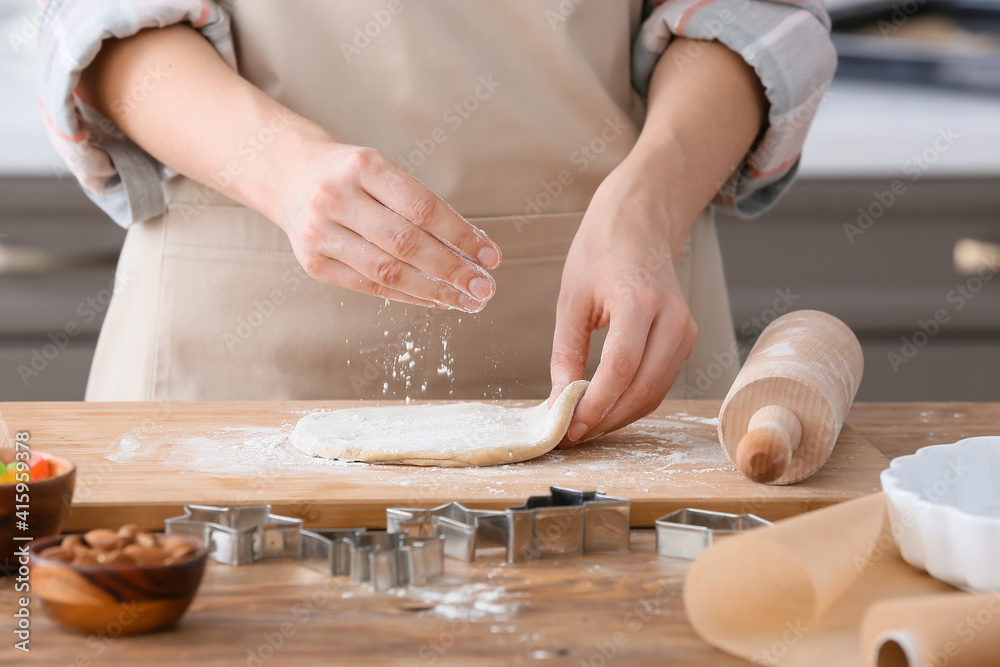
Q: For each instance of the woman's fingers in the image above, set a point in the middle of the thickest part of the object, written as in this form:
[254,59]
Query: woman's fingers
[623,350]
[357,207]
[335,272]
[389,272]
[667,348]
[570,346]
[395,189]
[421,251]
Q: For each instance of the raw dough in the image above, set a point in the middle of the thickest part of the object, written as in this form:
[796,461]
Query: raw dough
[451,435]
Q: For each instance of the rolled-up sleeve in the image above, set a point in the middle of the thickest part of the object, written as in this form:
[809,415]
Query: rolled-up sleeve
[788,46]
[121,178]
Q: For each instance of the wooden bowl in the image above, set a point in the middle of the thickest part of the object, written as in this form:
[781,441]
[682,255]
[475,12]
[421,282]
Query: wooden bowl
[48,503]
[115,600]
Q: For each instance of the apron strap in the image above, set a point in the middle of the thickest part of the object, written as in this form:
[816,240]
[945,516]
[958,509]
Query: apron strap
[139,176]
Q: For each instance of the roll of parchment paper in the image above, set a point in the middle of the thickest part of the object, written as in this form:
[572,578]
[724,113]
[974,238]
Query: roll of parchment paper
[795,593]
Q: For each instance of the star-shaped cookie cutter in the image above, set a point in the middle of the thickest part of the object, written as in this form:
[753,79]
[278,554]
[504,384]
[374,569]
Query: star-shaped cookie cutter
[239,535]
[567,523]
[465,530]
[384,560]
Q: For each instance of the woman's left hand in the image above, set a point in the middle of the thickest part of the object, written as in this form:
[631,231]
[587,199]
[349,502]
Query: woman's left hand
[620,274]
[706,106]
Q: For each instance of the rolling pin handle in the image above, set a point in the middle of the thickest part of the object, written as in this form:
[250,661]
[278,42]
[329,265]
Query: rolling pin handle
[774,432]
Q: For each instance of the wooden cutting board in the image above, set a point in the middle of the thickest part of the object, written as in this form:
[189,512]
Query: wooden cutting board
[141,462]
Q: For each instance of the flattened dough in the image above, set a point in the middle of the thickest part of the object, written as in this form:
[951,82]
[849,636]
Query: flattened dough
[454,435]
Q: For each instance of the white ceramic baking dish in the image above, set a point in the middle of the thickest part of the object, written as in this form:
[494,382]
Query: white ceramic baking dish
[944,502]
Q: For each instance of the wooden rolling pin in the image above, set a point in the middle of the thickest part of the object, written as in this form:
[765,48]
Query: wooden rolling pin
[785,411]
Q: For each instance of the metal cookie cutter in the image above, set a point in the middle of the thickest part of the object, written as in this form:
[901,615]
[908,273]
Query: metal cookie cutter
[567,523]
[465,530]
[687,532]
[385,560]
[239,535]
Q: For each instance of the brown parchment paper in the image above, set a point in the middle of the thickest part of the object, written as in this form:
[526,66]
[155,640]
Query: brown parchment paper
[795,593]
[953,629]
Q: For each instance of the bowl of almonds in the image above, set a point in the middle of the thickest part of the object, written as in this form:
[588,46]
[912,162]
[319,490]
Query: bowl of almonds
[117,582]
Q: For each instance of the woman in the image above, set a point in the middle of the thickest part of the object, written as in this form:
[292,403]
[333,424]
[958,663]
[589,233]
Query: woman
[279,164]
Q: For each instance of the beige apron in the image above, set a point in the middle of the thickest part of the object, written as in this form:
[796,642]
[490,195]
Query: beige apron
[513,112]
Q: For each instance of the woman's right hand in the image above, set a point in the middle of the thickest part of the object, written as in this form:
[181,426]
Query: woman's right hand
[353,217]
[357,220]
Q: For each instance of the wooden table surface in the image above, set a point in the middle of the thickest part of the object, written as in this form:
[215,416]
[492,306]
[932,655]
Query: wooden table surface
[597,610]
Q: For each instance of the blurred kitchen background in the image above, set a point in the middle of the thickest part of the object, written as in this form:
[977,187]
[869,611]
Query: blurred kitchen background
[894,220]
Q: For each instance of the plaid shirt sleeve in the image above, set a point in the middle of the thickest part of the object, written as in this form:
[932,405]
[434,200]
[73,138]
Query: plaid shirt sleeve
[787,42]
[124,180]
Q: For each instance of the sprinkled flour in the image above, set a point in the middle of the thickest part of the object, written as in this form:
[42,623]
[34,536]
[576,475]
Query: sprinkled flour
[126,448]
[782,349]
[685,417]
[471,602]
[227,451]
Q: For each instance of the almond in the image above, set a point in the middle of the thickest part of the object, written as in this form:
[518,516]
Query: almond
[171,543]
[144,555]
[106,556]
[57,553]
[146,540]
[118,558]
[71,542]
[180,553]
[176,557]
[127,533]
[102,539]
[85,557]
